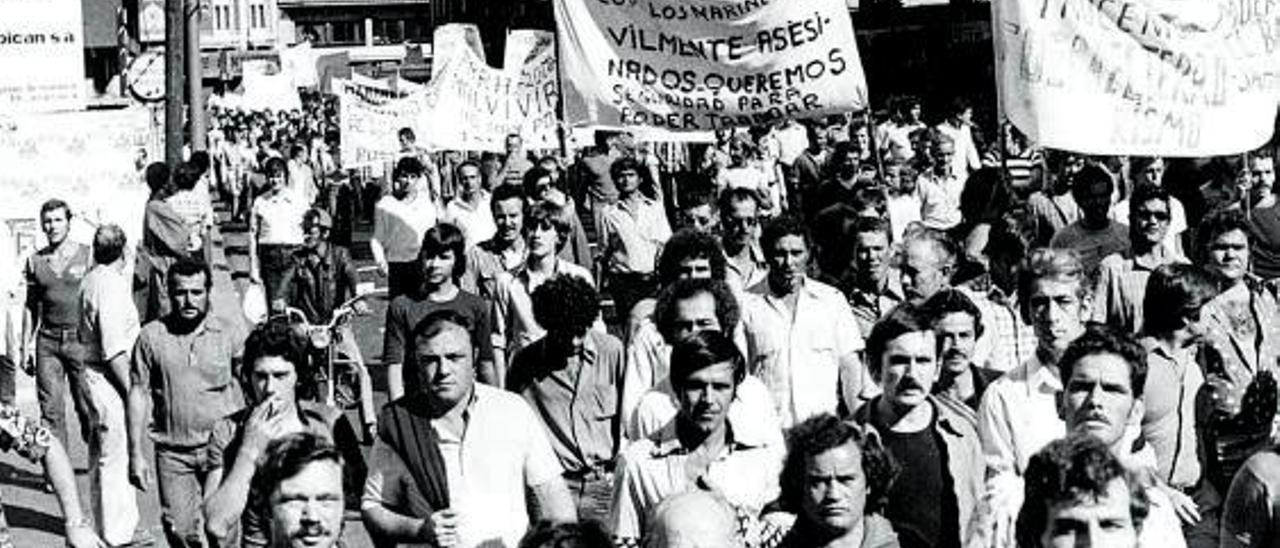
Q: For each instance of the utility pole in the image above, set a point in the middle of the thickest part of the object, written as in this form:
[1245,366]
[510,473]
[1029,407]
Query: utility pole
[195,77]
[175,23]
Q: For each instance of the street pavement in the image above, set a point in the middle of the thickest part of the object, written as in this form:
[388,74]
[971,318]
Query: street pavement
[32,512]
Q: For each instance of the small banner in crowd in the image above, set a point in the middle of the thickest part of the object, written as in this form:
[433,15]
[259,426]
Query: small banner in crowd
[473,106]
[267,87]
[1139,77]
[41,56]
[697,65]
[370,118]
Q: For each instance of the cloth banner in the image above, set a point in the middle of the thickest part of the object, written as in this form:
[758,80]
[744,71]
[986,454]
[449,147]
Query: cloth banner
[452,39]
[369,117]
[41,56]
[705,65]
[525,44]
[266,87]
[473,106]
[1139,77]
[299,62]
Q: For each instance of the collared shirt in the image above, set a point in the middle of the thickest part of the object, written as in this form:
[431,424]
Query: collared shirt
[191,378]
[1018,417]
[398,226]
[486,261]
[940,200]
[1122,286]
[652,469]
[109,319]
[869,307]
[808,358]
[514,326]
[1251,510]
[1243,356]
[53,278]
[279,218]
[475,222]
[502,451]
[963,456]
[578,398]
[752,408]
[1006,341]
[193,206]
[1091,244]
[632,236]
[1169,419]
[316,284]
[743,274]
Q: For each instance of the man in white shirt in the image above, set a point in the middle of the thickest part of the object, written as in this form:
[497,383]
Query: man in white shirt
[469,209]
[399,223]
[802,337]
[456,461]
[958,127]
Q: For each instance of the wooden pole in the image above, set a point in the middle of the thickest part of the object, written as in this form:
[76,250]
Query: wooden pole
[195,77]
[175,43]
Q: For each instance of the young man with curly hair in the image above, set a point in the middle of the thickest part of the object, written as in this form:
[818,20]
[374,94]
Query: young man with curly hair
[572,378]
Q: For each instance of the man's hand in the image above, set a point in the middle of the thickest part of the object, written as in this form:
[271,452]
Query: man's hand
[139,472]
[80,535]
[360,307]
[27,357]
[441,529]
[265,424]
[1186,508]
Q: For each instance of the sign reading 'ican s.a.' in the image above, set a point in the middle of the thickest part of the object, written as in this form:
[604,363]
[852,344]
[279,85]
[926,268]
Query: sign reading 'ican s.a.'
[697,65]
[41,56]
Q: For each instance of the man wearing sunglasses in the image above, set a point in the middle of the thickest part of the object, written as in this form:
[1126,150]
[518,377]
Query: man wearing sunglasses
[1122,277]
[740,236]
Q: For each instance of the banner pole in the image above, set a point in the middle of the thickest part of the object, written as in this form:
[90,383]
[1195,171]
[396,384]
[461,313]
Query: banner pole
[562,130]
[869,122]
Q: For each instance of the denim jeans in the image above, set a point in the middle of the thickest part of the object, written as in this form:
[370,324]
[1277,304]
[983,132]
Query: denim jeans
[180,473]
[60,358]
[593,496]
[112,497]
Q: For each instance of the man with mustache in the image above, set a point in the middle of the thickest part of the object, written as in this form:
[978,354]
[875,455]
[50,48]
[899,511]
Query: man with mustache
[182,381]
[958,325]
[936,446]
[300,492]
[1103,375]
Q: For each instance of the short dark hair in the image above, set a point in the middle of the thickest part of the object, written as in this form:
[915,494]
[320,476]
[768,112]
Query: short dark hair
[529,180]
[824,432]
[727,310]
[781,227]
[1089,175]
[560,218]
[1217,223]
[1143,193]
[406,133]
[186,176]
[701,350]
[688,244]
[157,175]
[733,195]
[55,204]
[108,244]
[1103,339]
[625,163]
[502,193]
[429,327]
[1174,291]
[275,165]
[1079,467]
[566,303]
[445,237]
[285,458]
[864,225]
[952,301]
[469,163]
[188,268]
[903,319]
[548,534]
[279,338]
[200,160]
[408,166]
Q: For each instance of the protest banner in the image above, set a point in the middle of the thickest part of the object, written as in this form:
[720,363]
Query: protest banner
[698,65]
[523,45]
[266,87]
[1134,77]
[370,115]
[450,40]
[299,62]
[473,106]
[41,56]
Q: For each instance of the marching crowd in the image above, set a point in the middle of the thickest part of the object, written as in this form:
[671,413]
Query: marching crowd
[856,332]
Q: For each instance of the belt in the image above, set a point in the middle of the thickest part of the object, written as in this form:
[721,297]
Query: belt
[604,471]
[62,334]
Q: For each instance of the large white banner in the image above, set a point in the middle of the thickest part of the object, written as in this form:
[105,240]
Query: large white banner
[41,56]
[370,116]
[700,65]
[1149,77]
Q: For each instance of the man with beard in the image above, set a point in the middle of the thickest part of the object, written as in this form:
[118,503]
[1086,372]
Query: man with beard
[399,223]
[1122,277]
[801,334]
[740,221]
[936,446]
[182,383]
[505,251]
[299,489]
[957,322]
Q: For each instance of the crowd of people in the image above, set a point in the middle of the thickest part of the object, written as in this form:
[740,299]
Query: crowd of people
[856,332]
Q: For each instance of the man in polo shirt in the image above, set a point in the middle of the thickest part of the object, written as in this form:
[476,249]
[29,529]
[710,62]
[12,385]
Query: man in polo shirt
[632,232]
[933,441]
[740,236]
[701,448]
[1122,277]
[274,363]
[801,334]
[182,383]
[875,287]
[458,463]
[53,276]
[399,223]
[108,330]
[505,251]
[572,377]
